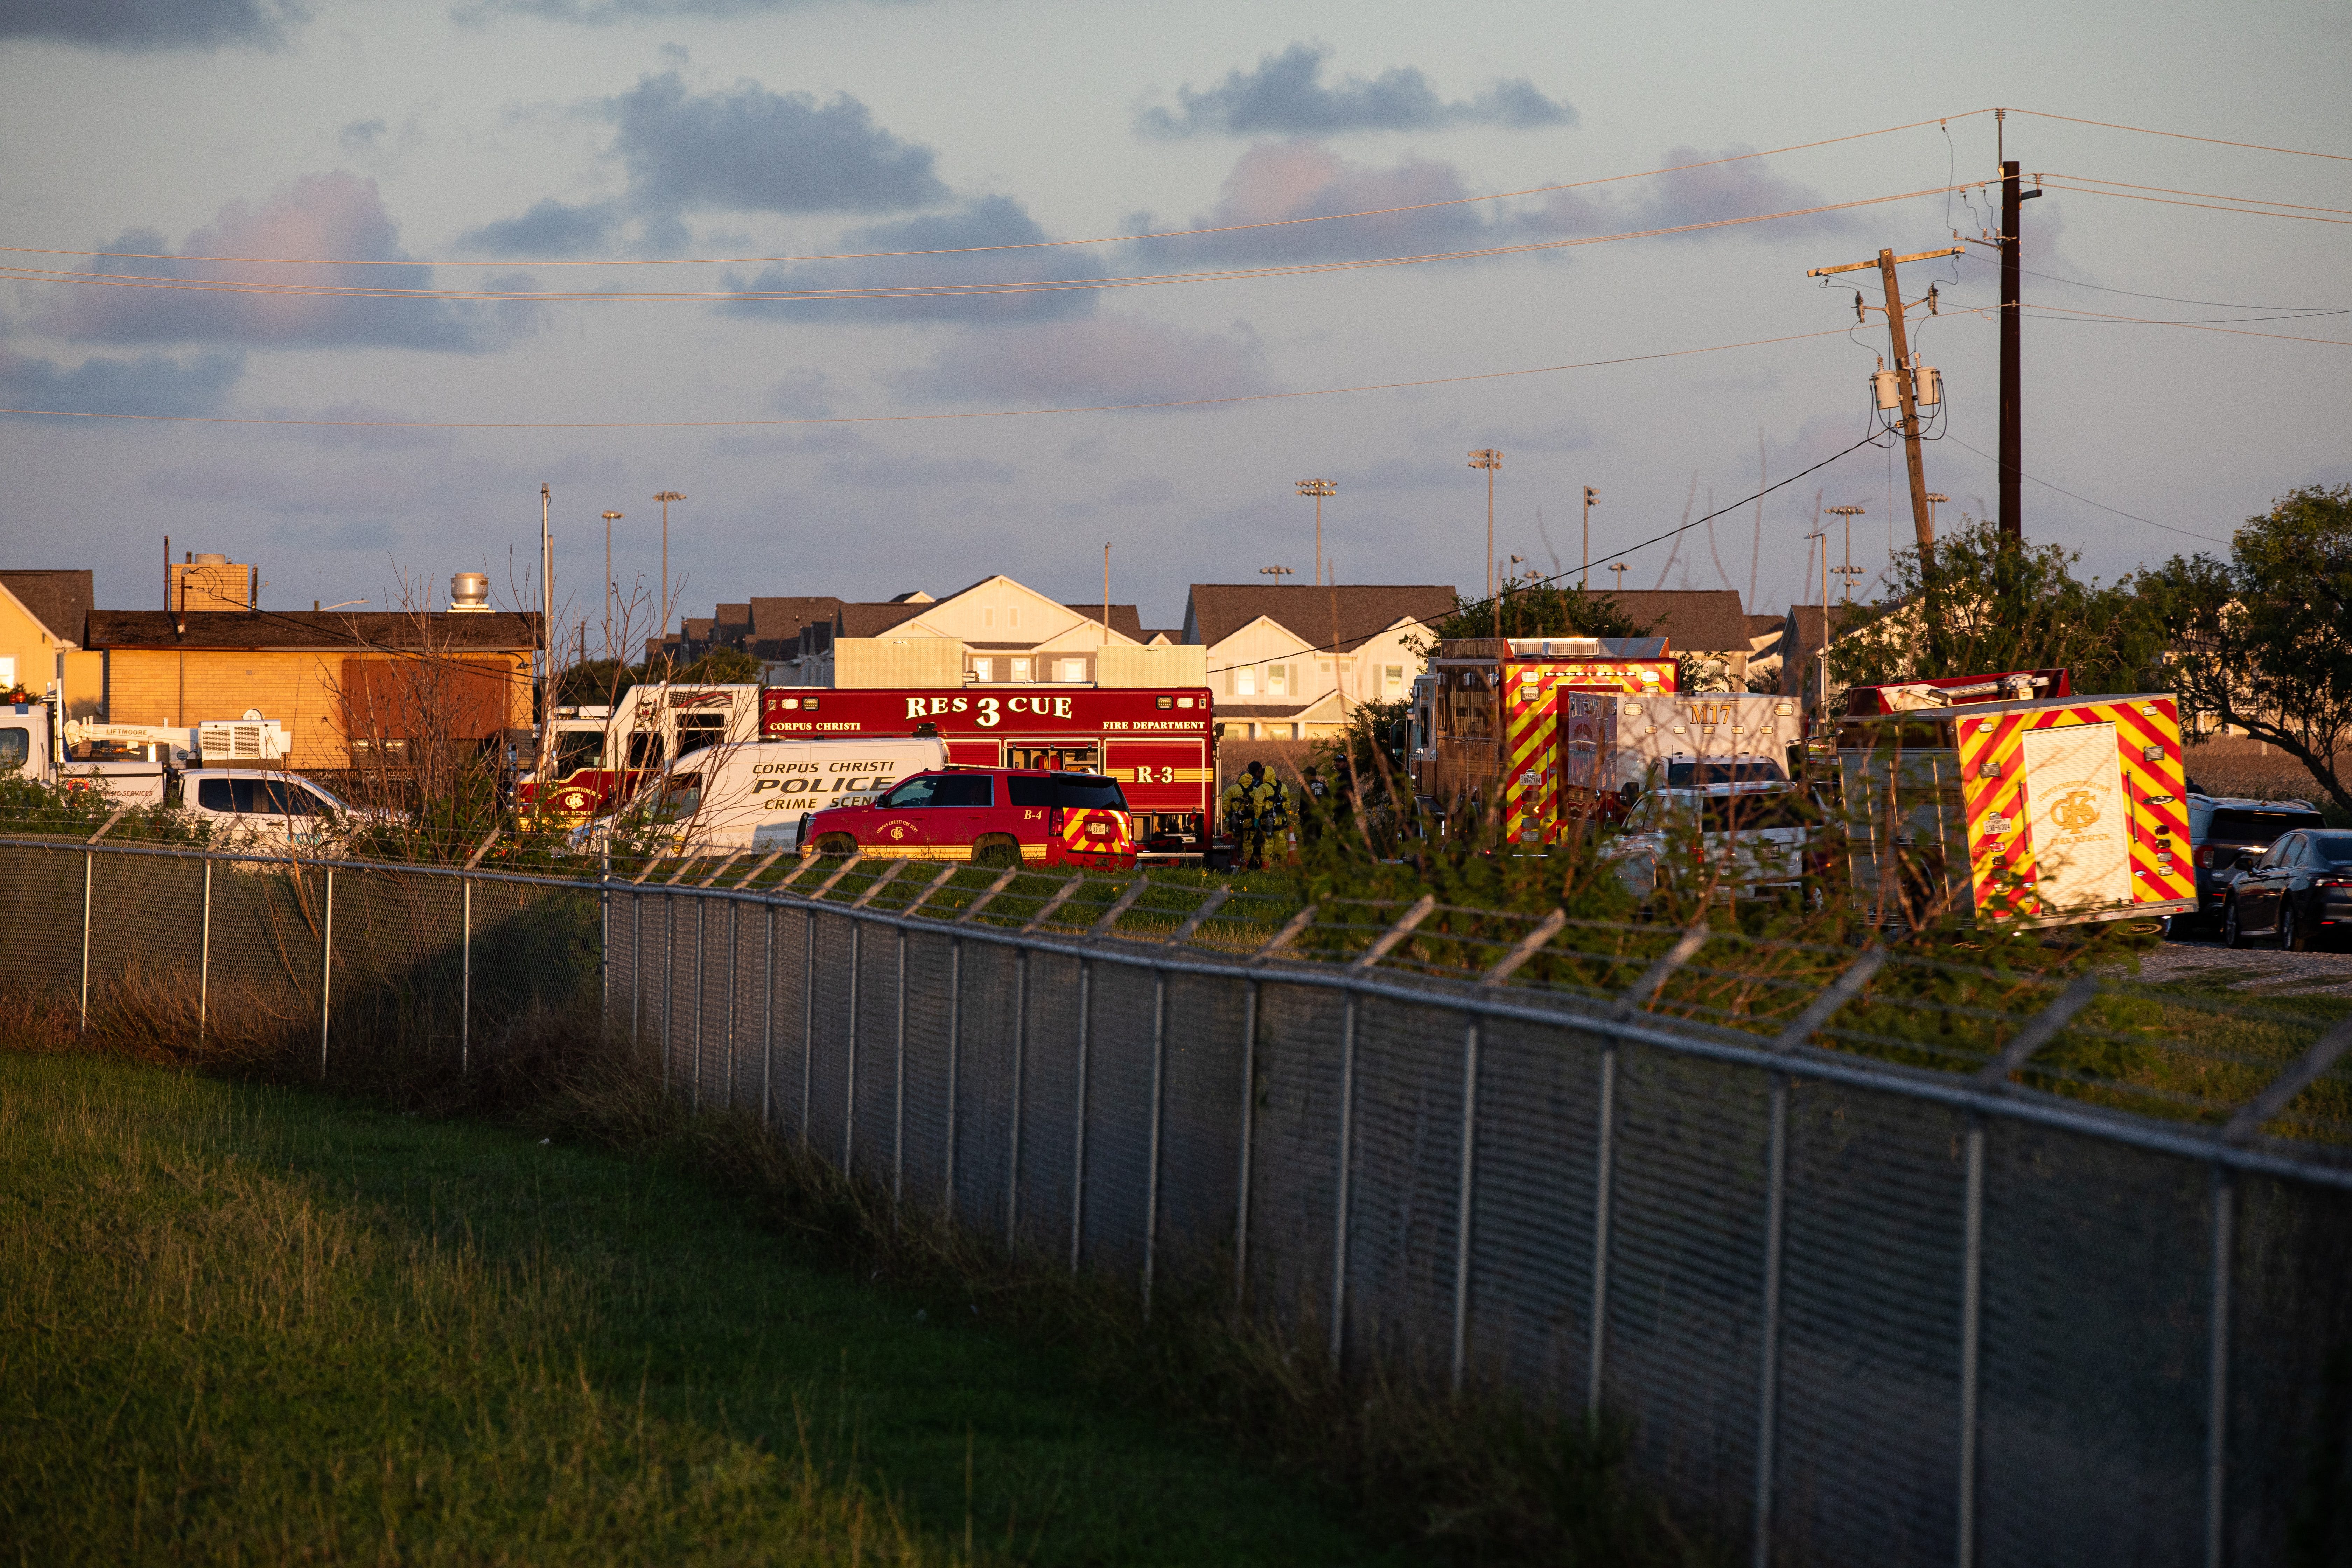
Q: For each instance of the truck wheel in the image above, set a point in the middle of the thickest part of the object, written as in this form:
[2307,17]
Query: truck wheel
[997,849]
[836,844]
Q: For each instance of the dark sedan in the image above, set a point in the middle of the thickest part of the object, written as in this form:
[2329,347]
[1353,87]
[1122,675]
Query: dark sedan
[2299,890]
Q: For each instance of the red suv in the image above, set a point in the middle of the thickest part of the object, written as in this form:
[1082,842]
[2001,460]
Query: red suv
[999,817]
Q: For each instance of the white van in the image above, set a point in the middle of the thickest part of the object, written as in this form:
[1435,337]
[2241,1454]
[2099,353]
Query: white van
[753,795]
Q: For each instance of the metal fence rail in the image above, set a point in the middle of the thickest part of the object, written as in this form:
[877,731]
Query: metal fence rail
[1859,1293]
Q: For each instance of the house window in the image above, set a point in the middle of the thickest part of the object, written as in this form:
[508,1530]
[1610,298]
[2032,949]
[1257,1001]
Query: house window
[1246,681]
[984,669]
[1020,669]
[1392,680]
[1072,669]
[1012,617]
[988,617]
[1278,680]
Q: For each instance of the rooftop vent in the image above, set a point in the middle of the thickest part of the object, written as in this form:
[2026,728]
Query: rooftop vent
[469,593]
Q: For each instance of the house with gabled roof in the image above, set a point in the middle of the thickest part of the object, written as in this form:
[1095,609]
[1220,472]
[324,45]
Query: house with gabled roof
[1289,662]
[996,632]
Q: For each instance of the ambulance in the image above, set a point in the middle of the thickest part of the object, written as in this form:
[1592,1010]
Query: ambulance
[1491,731]
[1962,795]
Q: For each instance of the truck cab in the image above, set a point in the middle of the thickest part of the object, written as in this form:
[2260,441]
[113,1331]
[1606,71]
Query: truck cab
[264,807]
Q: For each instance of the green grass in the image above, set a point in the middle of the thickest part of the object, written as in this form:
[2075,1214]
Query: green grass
[244,1323]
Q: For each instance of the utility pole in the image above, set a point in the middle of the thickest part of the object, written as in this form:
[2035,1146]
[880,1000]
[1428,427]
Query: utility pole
[1490,459]
[610,519]
[1584,578]
[1619,569]
[666,497]
[1849,571]
[1821,654]
[1318,489]
[546,634]
[1105,634]
[1906,393]
[2012,417]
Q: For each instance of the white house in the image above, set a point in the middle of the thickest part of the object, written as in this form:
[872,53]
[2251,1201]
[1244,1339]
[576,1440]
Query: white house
[996,632]
[1288,662]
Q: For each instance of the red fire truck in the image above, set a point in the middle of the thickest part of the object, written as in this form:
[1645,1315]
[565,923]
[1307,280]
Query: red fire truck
[1157,742]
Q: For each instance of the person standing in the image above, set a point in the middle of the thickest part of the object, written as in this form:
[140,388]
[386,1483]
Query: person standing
[1315,805]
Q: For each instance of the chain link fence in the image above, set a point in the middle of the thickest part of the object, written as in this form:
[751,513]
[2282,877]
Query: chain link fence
[2026,1271]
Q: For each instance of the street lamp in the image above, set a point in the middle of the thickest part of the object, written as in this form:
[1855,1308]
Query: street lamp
[1489,458]
[1277,573]
[1318,489]
[610,519]
[1591,499]
[666,497]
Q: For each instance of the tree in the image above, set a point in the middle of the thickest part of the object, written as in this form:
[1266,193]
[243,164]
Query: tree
[2264,640]
[1539,609]
[1979,608]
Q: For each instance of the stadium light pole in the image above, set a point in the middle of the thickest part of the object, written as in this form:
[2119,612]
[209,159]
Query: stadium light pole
[1490,459]
[610,519]
[666,497]
[1318,489]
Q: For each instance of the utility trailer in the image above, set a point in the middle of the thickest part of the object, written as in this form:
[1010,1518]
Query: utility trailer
[2055,811]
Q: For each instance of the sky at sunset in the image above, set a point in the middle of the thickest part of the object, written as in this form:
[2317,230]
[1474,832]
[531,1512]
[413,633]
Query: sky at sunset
[624,246]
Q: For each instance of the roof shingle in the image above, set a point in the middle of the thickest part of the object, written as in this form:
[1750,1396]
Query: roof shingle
[1214,611]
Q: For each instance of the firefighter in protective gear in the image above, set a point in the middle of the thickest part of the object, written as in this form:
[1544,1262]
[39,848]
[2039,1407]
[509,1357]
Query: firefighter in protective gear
[1255,806]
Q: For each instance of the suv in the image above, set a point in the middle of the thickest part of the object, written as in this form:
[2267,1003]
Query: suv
[1001,817]
[253,805]
[2220,827]
[1752,836]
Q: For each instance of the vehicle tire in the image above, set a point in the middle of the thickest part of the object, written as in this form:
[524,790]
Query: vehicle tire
[836,844]
[2294,935]
[996,850]
[2230,935]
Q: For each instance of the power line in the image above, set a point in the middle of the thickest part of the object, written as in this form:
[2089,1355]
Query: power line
[912,418]
[2087,501]
[890,293]
[2209,196]
[1658,538]
[2184,136]
[1027,244]
[2168,299]
[2221,206]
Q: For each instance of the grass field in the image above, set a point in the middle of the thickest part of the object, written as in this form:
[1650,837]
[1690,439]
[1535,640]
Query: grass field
[240,1323]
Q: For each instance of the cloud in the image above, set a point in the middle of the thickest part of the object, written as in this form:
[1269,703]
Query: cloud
[154,25]
[335,215]
[1109,359]
[549,229]
[805,393]
[368,428]
[151,383]
[1287,95]
[1685,197]
[749,149]
[600,12]
[889,470]
[741,149]
[1279,182]
[979,223]
[1085,449]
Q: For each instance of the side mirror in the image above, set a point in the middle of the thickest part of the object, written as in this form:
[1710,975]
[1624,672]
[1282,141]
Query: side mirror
[2245,860]
[1629,792]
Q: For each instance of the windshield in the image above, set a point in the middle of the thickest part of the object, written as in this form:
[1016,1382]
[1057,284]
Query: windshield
[577,748]
[1748,812]
[1690,775]
[2237,826]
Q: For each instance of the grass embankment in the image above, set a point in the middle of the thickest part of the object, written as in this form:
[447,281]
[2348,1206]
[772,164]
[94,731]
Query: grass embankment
[240,1322]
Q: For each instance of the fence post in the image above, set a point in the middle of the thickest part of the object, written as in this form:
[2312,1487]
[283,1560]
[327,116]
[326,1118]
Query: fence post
[1020,1065]
[1078,1151]
[636,968]
[326,969]
[205,958]
[2217,1412]
[670,985]
[1462,1201]
[1775,1178]
[87,860]
[1347,1162]
[1249,1130]
[701,986]
[955,1064]
[1151,1173]
[808,1021]
[1971,1328]
[1604,1166]
[898,1090]
[849,1107]
[466,975]
[768,1024]
[734,991]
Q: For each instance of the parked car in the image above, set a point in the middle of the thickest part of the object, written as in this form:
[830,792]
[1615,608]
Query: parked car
[2299,890]
[989,816]
[1753,839]
[256,806]
[2221,826]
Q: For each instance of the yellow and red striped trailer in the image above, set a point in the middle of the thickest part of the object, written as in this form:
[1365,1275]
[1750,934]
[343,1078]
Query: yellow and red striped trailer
[2047,813]
[1497,711]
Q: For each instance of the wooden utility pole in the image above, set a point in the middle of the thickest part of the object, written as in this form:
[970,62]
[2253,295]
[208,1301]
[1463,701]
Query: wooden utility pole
[2012,418]
[1906,394]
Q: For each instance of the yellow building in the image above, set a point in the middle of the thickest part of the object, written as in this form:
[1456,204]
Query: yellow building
[340,683]
[42,615]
